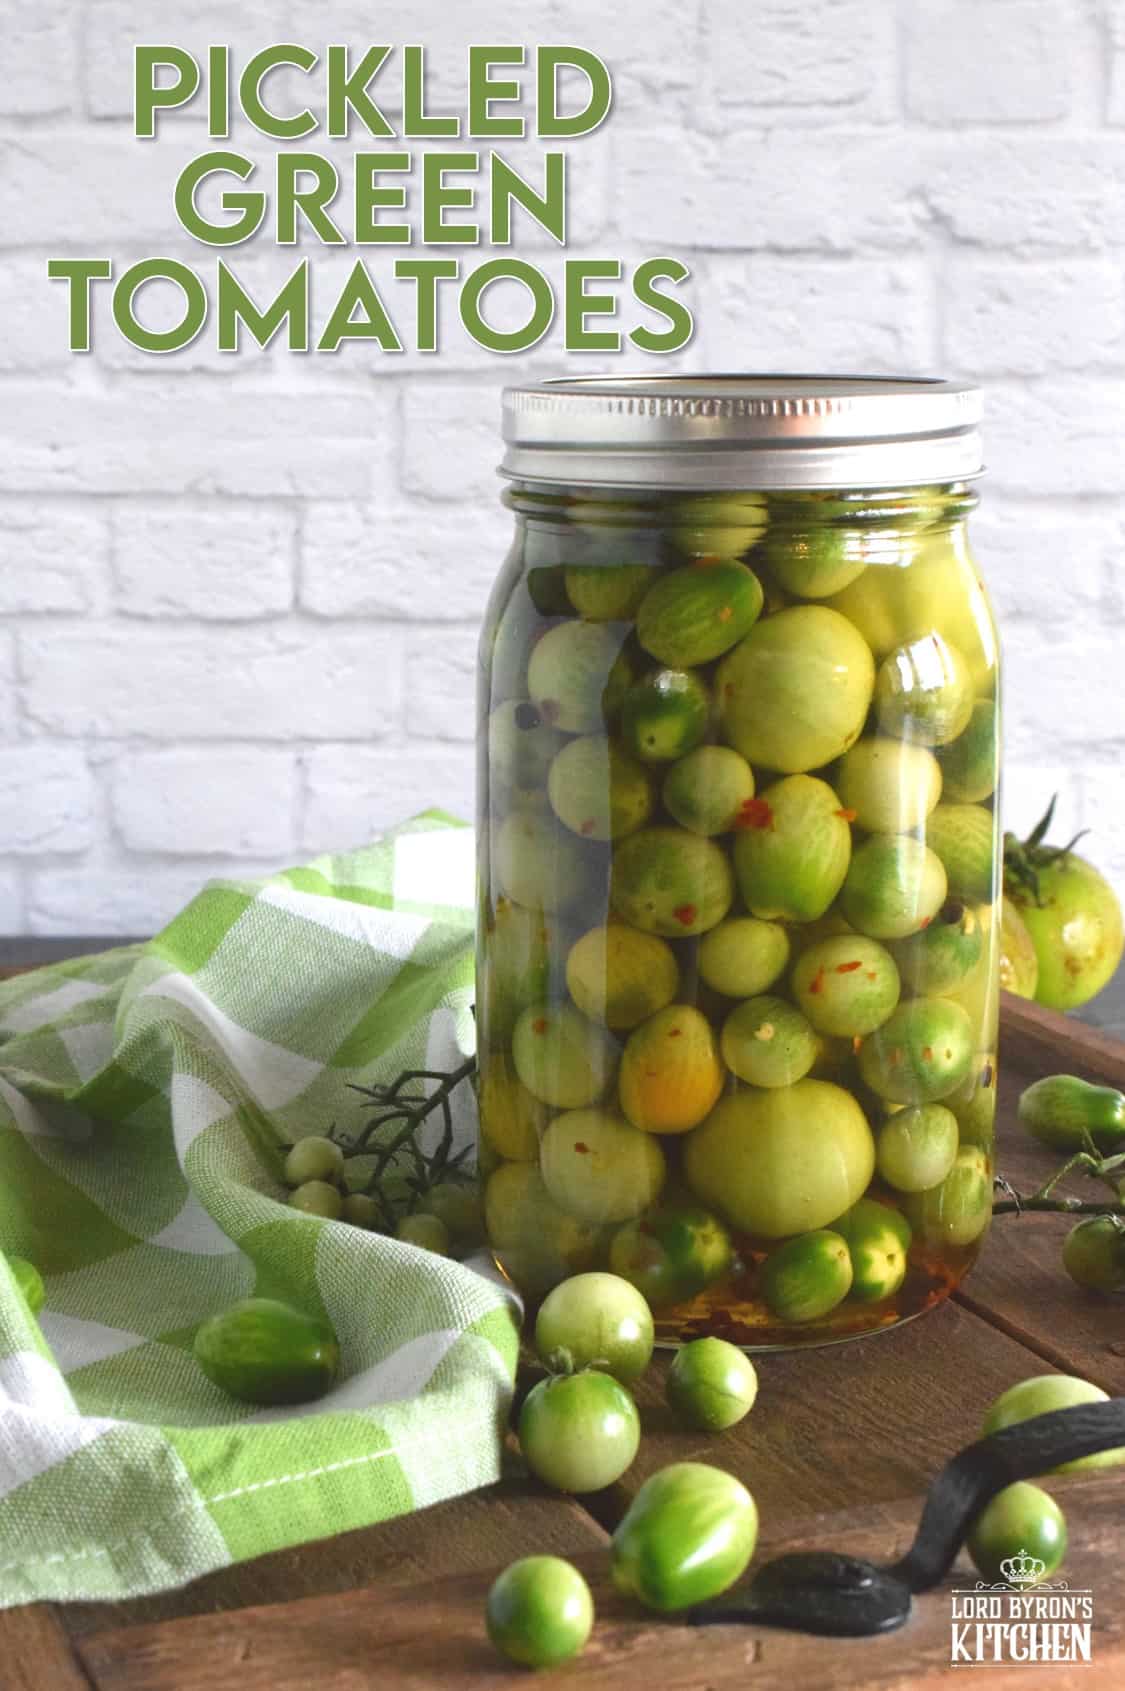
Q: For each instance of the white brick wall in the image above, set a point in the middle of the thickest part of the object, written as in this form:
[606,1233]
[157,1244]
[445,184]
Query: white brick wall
[238,597]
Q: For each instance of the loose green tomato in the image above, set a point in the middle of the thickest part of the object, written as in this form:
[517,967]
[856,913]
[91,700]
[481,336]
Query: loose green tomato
[598,1167]
[30,1282]
[538,864]
[894,887]
[667,881]
[426,1232]
[924,692]
[517,947]
[717,525]
[535,1242]
[918,1147]
[711,1385]
[969,764]
[672,1253]
[959,1210]
[1094,1253]
[1077,931]
[619,976]
[878,1239]
[795,693]
[569,674]
[766,1042]
[520,746]
[891,785]
[360,1210]
[665,714]
[806,1277]
[313,1159]
[598,791]
[579,1432]
[608,592]
[539,1612]
[792,849]
[1061,1110]
[943,955]
[1018,965]
[561,1058]
[595,1321]
[708,790]
[1039,1396]
[457,1205]
[743,956]
[263,1351]
[1020,1522]
[317,1197]
[687,1536]
[847,986]
[815,562]
[782,1161]
[964,837]
[921,1053]
[695,614]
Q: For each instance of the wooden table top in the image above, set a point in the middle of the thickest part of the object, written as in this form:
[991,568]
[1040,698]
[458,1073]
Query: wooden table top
[837,1451]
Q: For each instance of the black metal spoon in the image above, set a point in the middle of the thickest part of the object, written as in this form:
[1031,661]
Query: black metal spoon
[824,1591]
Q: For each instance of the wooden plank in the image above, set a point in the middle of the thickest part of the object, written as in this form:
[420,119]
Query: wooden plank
[431,1634]
[35,1653]
[1037,1041]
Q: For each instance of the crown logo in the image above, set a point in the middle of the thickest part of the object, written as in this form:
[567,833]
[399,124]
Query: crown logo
[1023,1569]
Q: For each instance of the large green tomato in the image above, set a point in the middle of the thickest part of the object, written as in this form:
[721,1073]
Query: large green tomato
[792,849]
[782,1161]
[1076,929]
[540,1612]
[687,1535]
[1042,1394]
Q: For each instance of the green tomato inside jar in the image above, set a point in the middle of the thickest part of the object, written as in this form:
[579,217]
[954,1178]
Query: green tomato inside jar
[792,849]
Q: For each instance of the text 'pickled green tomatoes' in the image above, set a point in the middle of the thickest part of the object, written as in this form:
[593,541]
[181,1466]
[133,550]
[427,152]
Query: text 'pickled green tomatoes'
[891,785]
[688,1535]
[673,1253]
[620,976]
[1020,1522]
[669,882]
[536,1241]
[792,848]
[696,613]
[598,791]
[266,1352]
[665,715]
[958,1211]
[795,693]
[743,956]
[894,886]
[766,1042]
[671,1074]
[598,1167]
[579,1432]
[846,986]
[561,1058]
[313,1158]
[570,675]
[1094,1253]
[878,1239]
[918,1147]
[806,1278]
[924,692]
[595,1321]
[30,1282]
[922,1052]
[707,791]
[782,1161]
[711,1385]
[539,1612]
[1039,1396]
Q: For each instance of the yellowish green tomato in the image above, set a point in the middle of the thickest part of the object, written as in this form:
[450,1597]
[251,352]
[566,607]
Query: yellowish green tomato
[805,1278]
[426,1232]
[895,886]
[562,1059]
[608,592]
[261,1350]
[766,1042]
[688,1535]
[878,1239]
[669,882]
[942,956]
[579,1432]
[569,672]
[671,1071]
[1094,1253]
[598,791]
[964,837]
[520,746]
[1077,930]
[512,1119]
[782,1161]
[672,1253]
[846,986]
[695,614]
[595,1321]
[360,1210]
[599,1167]
[665,714]
[743,956]
[30,1282]
[517,946]
[619,976]
[970,763]
[1018,965]
[959,1210]
[924,692]
[792,849]
[891,785]
[922,1052]
[711,1385]
[539,1612]
[535,1241]
[313,1158]
[538,864]
[813,563]
[794,694]
[707,790]
[1020,1523]
[317,1197]
[1040,1395]
[717,525]
[918,1147]
[457,1205]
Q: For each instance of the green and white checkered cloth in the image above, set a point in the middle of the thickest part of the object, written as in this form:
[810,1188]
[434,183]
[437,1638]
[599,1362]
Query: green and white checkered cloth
[143,1095]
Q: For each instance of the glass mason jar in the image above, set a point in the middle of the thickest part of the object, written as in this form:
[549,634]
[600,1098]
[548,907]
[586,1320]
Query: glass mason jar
[739,852]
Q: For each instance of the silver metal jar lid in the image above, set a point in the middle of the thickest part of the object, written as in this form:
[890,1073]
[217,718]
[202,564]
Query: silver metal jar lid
[742,431]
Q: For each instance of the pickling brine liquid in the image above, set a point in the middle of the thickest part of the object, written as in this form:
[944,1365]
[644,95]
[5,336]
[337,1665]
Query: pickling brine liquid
[739,904]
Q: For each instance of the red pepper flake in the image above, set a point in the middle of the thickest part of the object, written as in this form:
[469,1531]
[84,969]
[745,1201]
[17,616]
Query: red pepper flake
[588,826]
[726,613]
[896,1057]
[927,1053]
[926,920]
[816,985]
[674,1033]
[848,815]
[579,1145]
[872,974]
[685,914]
[540,1024]
[754,813]
[728,690]
[857,1042]
[849,968]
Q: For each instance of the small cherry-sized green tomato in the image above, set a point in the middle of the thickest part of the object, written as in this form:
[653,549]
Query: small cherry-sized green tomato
[743,956]
[1020,1525]
[360,1210]
[688,1535]
[695,614]
[263,1351]
[595,1321]
[30,1282]
[598,791]
[969,763]
[426,1232]
[1094,1253]
[608,592]
[317,1197]
[599,1167]
[1041,1394]
[847,986]
[958,1211]
[894,886]
[964,837]
[539,1612]
[922,1052]
[457,1205]
[892,786]
[314,1158]
[791,849]
[766,1042]
[665,715]
[917,1147]
[568,674]
[878,1239]
[672,1253]
[579,1432]
[707,790]
[924,692]
[711,1385]
[717,525]
[944,954]
[1061,1110]
[806,1277]
[561,1058]
[669,882]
